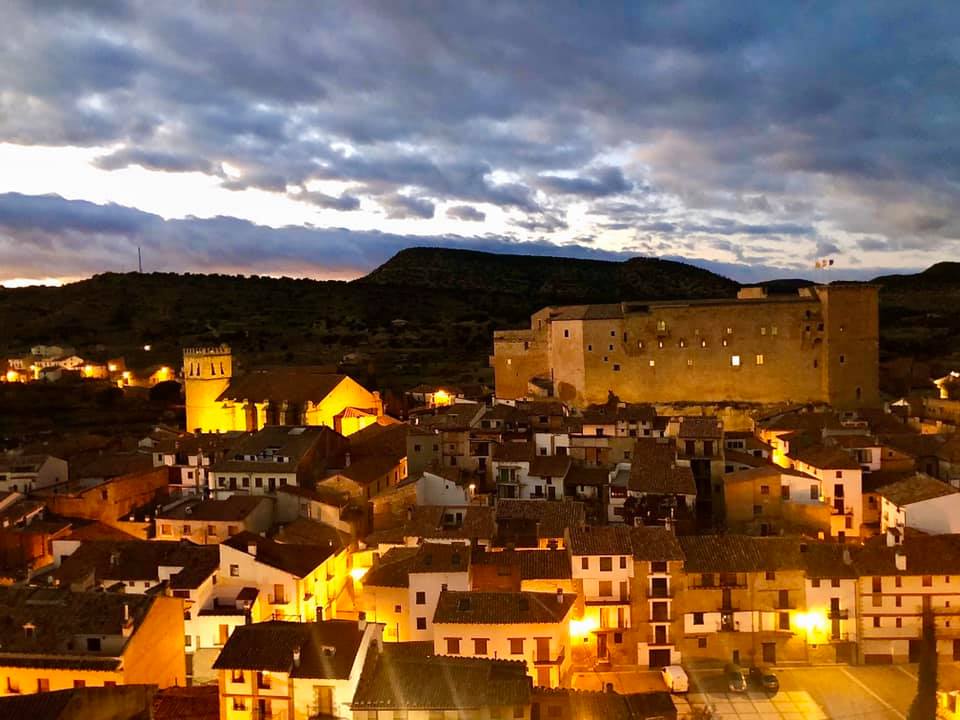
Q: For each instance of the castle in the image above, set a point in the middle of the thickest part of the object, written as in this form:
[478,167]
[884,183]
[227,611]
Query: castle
[819,345]
[218,402]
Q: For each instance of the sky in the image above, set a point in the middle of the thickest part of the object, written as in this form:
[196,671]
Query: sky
[318,139]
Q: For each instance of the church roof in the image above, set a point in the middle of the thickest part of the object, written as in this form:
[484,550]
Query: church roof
[293,384]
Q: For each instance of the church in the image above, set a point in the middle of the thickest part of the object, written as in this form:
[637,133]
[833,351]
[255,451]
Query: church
[218,402]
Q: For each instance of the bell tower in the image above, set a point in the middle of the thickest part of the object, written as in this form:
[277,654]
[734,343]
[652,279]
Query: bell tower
[207,372]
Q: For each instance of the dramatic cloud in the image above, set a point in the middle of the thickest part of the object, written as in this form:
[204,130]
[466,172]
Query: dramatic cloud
[732,134]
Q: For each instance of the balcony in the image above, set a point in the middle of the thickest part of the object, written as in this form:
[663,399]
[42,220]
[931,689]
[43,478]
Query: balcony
[785,605]
[838,615]
[840,637]
[660,593]
[277,600]
[728,624]
[542,660]
[727,608]
[258,714]
[654,639]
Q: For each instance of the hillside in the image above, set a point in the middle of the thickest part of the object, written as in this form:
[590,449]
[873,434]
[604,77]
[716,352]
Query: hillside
[450,301]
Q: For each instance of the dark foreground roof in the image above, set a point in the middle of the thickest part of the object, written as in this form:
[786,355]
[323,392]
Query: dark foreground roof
[408,676]
[496,608]
[327,649]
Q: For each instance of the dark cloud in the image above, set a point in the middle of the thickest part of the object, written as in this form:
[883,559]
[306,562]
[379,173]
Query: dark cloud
[467,213]
[405,206]
[608,181]
[783,121]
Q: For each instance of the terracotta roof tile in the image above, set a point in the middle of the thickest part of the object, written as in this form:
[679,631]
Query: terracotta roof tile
[502,608]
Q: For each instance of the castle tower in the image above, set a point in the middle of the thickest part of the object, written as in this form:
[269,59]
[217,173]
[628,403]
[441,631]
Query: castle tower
[851,352]
[207,372]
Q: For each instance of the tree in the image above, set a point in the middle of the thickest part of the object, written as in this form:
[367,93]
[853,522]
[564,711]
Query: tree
[924,706]
[165,393]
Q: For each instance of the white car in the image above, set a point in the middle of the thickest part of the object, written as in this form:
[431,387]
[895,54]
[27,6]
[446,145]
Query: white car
[675,679]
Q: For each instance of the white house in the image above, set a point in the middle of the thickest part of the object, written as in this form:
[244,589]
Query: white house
[435,568]
[920,502]
[25,473]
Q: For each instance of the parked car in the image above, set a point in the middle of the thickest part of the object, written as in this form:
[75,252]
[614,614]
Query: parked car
[764,678]
[675,679]
[736,678]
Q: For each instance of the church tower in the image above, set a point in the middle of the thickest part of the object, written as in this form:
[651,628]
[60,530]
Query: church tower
[207,372]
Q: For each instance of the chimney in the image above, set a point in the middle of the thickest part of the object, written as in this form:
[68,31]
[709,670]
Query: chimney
[891,538]
[252,548]
[900,558]
[847,560]
[362,623]
[296,657]
[559,596]
[346,460]
[126,613]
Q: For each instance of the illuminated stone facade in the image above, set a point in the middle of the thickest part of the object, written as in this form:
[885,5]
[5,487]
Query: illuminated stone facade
[820,345]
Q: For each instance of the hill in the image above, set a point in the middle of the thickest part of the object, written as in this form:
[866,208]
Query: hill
[446,304]
[547,280]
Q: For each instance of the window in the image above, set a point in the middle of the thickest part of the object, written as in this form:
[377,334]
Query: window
[187,640]
[758,510]
[258,482]
[735,360]
[698,618]
[79,683]
[606,564]
[774,330]
[815,582]
[701,642]
[897,581]
[689,362]
[616,368]
[899,622]
[93,644]
[610,348]
[706,580]
[785,492]
[480,646]
[898,601]
[759,359]
[236,676]
[729,331]
[658,566]
[584,563]
[589,348]
[876,621]
[516,646]
[784,621]
[927,581]
[661,325]
[605,588]
[814,492]
[398,608]
[835,582]
[764,489]
[623,562]
[606,359]
[421,597]
[660,344]
[876,584]
[566,333]
[842,359]
[453,646]
[763,330]
[421,623]
[43,684]
[770,575]
[653,363]
[165,530]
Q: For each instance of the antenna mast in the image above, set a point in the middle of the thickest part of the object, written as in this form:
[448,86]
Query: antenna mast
[139,260]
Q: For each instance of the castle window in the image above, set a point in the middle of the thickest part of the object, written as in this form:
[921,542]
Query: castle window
[613,333]
[841,328]
[843,359]
[605,358]
[624,337]
[213,370]
[816,363]
[724,342]
[703,343]
[690,362]
[610,348]
[660,344]
[763,330]
[640,344]
[653,363]
[221,369]
[661,325]
[589,348]
[682,343]
[773,330]
[729,331]
[616,368]
[759,359]
[566,333]
[735,360]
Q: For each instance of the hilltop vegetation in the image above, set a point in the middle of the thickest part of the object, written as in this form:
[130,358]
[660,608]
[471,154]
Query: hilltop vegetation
[426,313]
